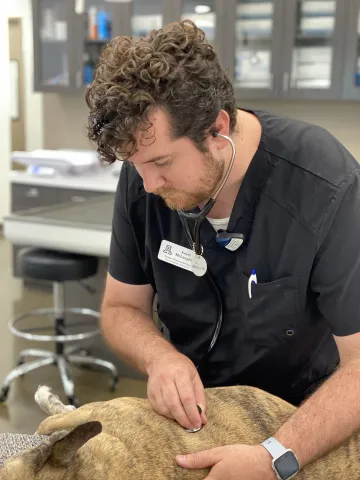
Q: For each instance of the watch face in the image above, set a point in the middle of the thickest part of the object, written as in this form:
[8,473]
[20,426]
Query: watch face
[286,465]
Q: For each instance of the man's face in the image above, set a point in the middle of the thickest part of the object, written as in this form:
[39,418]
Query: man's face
[175,169]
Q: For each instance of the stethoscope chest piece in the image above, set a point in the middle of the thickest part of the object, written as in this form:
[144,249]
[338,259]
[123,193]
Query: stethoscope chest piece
[194,430]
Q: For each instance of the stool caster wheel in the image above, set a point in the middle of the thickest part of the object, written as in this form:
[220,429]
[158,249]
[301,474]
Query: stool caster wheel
[113,384]
[73,401]
[3,394]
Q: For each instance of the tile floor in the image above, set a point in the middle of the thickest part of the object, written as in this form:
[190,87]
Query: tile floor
[20,414]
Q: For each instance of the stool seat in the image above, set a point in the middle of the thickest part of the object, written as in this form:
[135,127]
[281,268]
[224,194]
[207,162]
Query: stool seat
[56,266]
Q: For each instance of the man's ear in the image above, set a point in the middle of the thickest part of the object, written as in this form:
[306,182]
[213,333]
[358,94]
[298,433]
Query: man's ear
[58,449]
[64,450]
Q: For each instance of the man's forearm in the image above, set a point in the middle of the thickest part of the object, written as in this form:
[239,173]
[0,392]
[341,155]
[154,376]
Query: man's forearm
[134,336]
[327,418]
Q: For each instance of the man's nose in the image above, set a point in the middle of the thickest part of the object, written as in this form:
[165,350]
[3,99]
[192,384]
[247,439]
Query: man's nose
[152,181]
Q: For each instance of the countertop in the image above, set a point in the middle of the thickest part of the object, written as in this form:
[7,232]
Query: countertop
[104,179]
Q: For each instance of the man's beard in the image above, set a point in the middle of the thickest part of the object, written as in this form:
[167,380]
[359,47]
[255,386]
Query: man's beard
[180,200]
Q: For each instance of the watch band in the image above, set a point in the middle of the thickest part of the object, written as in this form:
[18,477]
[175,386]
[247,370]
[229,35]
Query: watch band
[274,447]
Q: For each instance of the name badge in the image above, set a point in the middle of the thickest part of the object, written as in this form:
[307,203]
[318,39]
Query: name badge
[182,257]
[176,255]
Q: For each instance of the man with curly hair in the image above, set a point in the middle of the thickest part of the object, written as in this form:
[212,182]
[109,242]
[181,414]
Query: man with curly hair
[293,194]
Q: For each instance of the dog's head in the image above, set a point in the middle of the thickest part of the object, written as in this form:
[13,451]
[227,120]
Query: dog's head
[53,459]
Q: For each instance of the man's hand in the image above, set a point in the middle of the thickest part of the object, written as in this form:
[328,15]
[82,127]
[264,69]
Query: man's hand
[232,462]
[175,389]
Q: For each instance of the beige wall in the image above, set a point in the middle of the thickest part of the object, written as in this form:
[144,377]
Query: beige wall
[5,135]
[65,119]
[33,100]
[342,119]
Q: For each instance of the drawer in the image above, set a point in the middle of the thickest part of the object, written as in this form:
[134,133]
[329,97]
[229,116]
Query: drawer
[24,197]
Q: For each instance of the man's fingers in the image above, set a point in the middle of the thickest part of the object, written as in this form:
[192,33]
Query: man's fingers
[204,459]
[200,398]
[173,403]
[158,405]
[186,392]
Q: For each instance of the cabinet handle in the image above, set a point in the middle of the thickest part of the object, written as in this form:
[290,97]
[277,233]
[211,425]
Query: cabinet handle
[286,81]
[78,199]
[32,193]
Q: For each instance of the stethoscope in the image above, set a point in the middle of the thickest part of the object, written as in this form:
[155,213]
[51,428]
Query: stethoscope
[194,242]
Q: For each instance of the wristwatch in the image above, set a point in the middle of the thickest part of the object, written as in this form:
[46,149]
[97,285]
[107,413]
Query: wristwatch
[285,464]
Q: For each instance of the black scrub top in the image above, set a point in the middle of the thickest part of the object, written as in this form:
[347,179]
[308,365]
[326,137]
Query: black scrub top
[299,209]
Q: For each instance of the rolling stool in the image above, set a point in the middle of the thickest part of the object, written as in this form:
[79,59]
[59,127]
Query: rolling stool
[57,267]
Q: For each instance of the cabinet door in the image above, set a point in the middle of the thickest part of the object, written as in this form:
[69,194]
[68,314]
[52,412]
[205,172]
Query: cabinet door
[205,16]
[252,46]
[315,40]
[146,15]
[53,34]
[352,66]
[97,22]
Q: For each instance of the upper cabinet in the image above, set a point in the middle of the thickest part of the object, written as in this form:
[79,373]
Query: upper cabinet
[204,16]
[252,47]
[146,15]
[53,35]
[69,36]
[287,48]
[314,48]
[97,22]
[351,77]
[276,49]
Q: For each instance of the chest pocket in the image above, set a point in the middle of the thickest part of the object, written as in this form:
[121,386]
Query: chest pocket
[270,315]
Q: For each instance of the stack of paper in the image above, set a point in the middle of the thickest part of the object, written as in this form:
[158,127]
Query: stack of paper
[63,161]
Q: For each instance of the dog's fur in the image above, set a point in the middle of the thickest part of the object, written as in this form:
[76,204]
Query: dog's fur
[125,439]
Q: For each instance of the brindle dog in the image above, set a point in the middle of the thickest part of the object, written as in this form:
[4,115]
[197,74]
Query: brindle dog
[125,439]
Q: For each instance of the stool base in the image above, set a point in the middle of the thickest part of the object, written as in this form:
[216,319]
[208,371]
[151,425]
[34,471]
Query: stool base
[74,355]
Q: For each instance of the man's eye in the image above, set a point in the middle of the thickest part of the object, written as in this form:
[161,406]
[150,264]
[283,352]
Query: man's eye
[162,164]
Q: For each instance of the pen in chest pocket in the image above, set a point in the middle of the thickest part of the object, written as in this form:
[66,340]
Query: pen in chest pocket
[252,279]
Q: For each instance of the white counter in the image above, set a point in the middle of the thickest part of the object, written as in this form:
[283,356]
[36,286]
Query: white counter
[104,179]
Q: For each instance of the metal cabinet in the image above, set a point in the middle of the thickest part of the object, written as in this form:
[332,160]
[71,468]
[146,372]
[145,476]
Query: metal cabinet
[351,79]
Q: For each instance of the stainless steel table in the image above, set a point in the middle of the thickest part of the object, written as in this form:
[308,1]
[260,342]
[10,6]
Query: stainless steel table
[78,228]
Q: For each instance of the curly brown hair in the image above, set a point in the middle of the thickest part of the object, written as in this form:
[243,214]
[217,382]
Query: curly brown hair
[173,68]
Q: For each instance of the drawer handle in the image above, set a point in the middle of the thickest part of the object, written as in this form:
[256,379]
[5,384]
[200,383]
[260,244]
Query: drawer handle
[78,199]
[32,193]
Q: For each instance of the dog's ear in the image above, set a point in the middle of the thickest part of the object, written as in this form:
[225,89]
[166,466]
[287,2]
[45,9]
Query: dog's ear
[64,450]
[58,450]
